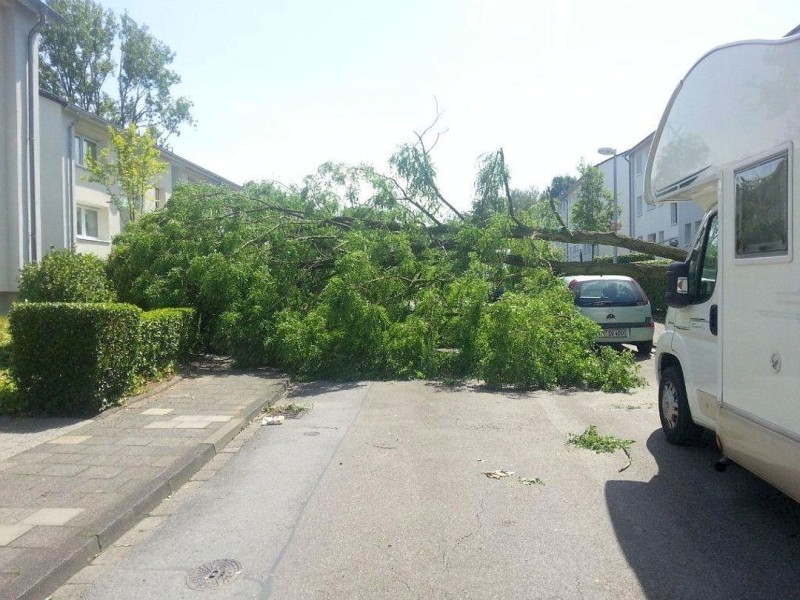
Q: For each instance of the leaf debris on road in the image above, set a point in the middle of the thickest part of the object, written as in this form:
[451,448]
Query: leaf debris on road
[498,474]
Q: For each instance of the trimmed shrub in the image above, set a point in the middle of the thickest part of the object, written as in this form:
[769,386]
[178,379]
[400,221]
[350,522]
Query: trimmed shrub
[73,359]
[165,338]
[624,259]
[64,276]
[656,290]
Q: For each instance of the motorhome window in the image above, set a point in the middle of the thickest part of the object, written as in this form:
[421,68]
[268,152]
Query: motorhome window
[703,263]
[762,209]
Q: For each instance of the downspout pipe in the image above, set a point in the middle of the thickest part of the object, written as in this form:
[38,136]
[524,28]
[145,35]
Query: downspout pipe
[33,208]
[33,203]
[71,185]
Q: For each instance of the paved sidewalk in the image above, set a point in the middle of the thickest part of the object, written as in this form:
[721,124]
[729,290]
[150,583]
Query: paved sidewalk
[68,489]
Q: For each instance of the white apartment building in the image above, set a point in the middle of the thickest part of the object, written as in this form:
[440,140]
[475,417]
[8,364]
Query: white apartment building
[675,223]
[46,200]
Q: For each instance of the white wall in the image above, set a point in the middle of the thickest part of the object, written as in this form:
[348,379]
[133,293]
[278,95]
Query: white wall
[16,21]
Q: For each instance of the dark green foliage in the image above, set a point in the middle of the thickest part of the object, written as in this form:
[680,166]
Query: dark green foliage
[64,276]
[625,259]
[165,339]
[654,287]
[656,290]
[73,359]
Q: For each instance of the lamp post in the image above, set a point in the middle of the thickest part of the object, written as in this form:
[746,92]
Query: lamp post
[607,151]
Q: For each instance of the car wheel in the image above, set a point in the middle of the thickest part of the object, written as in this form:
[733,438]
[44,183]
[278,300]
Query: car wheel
[644,348]
[673,408]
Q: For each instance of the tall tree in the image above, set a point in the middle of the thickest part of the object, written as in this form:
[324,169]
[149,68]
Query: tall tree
[128,169]
[560,184]
[76,58]
[593,210]
[144,82]
[77,65]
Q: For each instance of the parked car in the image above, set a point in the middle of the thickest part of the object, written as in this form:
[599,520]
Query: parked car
[619,305]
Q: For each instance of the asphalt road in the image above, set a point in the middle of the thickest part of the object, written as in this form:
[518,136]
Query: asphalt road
[379,492]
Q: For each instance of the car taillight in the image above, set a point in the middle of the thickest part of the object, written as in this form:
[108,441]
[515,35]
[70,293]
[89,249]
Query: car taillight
[648,322]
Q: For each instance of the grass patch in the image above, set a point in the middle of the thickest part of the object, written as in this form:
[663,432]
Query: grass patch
[591,440]
[290,411]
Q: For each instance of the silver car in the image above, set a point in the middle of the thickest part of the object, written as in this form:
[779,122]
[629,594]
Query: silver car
[619,305]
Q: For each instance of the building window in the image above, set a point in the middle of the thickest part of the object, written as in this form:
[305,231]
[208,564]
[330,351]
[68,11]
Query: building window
[639,163]
[639,205]
[673,213]
[88,220]
[83,149]
[158,197]
[687,234]
[651,237]
[661,237]
[762,208]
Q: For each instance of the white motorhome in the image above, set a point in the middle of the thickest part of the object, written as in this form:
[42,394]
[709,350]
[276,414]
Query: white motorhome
[729,359]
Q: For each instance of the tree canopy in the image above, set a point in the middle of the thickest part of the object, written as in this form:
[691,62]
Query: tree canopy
[79,58]
[128,168]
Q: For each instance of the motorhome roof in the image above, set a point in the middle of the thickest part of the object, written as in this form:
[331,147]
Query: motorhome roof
[736,101]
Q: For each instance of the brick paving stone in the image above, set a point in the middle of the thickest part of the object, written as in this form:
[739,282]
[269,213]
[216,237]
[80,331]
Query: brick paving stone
[63,470]
[9,533]
[46,536]
[102,472]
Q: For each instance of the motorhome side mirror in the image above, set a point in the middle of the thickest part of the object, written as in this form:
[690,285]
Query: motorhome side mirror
[678,295]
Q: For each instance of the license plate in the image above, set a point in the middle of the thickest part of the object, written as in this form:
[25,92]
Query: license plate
[615,333]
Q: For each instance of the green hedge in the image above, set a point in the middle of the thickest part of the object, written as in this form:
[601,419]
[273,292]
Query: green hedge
[624,259]
[73,359]
[76,359]
[166,337]
[656,289]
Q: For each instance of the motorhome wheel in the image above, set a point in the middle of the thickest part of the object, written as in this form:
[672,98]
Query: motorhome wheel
[673,408]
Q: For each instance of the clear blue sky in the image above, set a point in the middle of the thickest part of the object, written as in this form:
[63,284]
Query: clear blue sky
[281,86]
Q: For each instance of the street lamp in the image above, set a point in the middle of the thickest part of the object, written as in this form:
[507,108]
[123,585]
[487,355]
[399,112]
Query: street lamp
[608,151]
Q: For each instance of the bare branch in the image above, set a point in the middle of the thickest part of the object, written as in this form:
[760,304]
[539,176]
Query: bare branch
[555,212]
[501,155]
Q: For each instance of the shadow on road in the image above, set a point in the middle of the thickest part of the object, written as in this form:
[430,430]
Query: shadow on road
[321,387]
[22,425]
[691,532]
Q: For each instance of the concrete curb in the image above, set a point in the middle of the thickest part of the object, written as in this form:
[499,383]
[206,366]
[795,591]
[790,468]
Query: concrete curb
[109,526]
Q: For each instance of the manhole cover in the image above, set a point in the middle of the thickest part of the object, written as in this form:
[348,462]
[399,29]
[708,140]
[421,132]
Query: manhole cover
[213,574]
[311,433]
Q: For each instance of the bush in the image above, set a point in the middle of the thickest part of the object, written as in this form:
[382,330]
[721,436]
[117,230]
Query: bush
[5,343]
[165,338]
[64,276]
[73,359]
[656,290]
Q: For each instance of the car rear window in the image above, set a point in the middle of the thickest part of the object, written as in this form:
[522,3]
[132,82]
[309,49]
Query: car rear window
[606,293]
